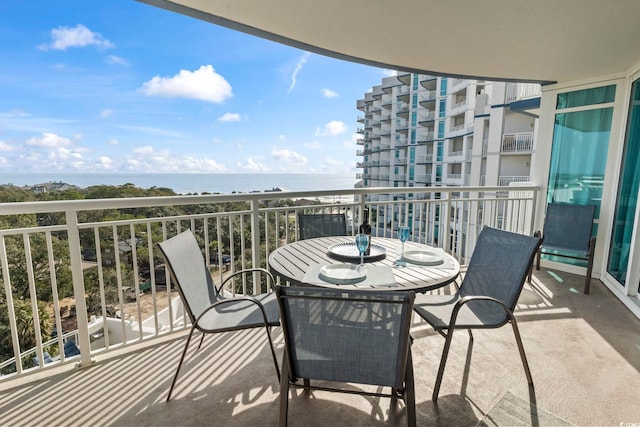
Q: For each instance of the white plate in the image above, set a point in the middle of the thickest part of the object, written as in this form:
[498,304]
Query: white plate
[342,274]
[424,256]
[349,252]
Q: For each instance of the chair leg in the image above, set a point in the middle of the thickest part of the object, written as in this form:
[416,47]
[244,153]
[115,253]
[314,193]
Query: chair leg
[410,392]
[284,392]
[523,356]
[273,352]
[201,341]
[587,282]
[443,362]
[184,352]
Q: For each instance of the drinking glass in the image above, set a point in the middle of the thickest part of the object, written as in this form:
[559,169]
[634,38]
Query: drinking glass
[403,235]
[362,241]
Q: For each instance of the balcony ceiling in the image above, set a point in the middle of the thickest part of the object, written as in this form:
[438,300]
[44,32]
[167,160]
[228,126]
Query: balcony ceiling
[539,41]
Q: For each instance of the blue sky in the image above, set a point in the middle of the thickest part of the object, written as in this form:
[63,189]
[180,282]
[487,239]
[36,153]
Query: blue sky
[122,86]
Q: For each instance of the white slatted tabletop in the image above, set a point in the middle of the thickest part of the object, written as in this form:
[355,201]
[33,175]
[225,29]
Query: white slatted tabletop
[292,261]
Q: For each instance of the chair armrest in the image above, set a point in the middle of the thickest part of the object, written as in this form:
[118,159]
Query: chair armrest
[467,299]
[235,300]
[245,271]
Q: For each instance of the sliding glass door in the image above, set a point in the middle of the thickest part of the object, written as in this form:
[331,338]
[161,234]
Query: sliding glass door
[627,195]
[579,152]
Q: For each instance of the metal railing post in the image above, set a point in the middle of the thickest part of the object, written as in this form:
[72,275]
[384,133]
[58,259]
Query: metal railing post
[445,221]
[255,243]
[75,253]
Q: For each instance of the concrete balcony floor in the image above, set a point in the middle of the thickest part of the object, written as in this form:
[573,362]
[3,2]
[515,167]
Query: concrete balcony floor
[584,353]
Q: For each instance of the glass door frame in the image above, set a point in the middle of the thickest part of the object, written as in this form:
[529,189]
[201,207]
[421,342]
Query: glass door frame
[632,282]
[542,159]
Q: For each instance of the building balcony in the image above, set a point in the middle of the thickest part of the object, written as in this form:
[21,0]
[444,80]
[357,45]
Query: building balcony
[517,142]
[455,154]
[504,181]
[519,91]
[427,98]
[461,129]
[400,161]
[427,158]
[423,179]
[125,380]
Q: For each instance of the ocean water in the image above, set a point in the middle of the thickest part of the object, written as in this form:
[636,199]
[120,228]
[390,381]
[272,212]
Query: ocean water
[194,183]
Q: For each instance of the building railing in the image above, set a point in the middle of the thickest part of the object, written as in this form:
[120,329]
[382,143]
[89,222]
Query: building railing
[504,180]
[517,142]
[82,251]
[517,91]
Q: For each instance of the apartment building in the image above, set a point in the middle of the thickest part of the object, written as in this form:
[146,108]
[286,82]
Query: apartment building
[427,131]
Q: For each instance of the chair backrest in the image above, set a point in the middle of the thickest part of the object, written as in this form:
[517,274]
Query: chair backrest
[568,227]
[321,225]
[346,335]
[498,268]
[71,349]
[189,272]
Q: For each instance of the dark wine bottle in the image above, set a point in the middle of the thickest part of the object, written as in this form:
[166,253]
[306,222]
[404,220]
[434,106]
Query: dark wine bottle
[365,228]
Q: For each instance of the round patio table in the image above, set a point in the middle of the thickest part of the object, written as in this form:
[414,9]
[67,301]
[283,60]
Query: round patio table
[298,263]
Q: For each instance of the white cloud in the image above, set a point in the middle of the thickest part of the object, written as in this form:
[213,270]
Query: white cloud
[147,149]
[328,93]
[315,145]
[299,66]
[351,143]
[147,159]
[253,166]
[204,84]
[106,113]
[332,162]
[117,60]
[229,117]
[282,137]
[288,156]
[388,73]
[63,38]
[7,147]
[104,163]
[113,141]
[49,140]
[333,128]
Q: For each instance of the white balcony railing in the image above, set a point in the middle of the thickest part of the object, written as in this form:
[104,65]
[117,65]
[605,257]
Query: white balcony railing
[517,142]
[93,255]
[504,181]
[517,91]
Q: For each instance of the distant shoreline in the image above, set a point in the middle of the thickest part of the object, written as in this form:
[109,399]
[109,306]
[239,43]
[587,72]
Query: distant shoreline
[196,183]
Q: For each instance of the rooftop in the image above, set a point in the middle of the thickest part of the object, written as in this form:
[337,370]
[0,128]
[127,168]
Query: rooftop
[584,353]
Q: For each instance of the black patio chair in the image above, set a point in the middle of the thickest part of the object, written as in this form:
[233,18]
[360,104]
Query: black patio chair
[346,336]
[567,233]
[321,225]
[209,310]
[487,295]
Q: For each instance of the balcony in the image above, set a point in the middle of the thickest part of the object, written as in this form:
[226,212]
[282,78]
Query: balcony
[504,181]
[231,375]
[518,91]
[517,142]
